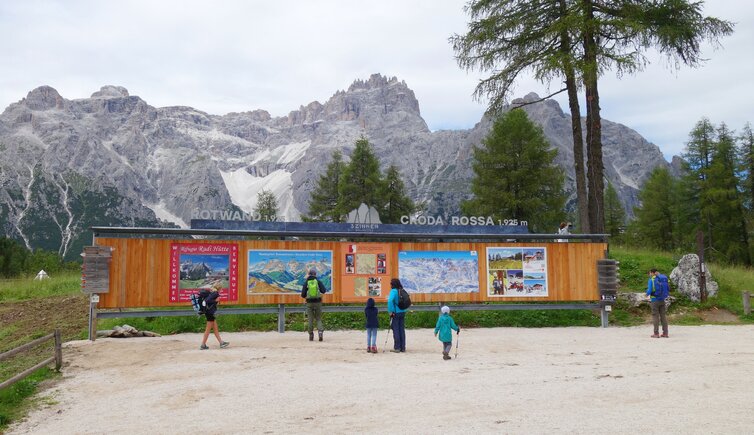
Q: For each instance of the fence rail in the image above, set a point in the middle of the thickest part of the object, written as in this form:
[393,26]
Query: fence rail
[57,358]
[747,302]
[282,309]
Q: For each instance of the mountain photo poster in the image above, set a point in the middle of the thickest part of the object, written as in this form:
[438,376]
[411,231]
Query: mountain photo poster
[439,271]
[197,266]
[285,271]
[517,272]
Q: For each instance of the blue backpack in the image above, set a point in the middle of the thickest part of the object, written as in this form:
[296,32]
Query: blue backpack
[661,287]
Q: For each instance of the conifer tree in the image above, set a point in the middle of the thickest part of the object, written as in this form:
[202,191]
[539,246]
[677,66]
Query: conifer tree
[654,225]
[615,215]
[362,179]
[267,206]
[721,204]
[324,203]
[746,151]
[515,177]
[396,202]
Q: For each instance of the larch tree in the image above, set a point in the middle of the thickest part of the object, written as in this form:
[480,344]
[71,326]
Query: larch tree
[721,204]
[615,215]
[267,206]
[654,225]
[361,180]
[396,202]
[515,176]
[324,203]
[512,36]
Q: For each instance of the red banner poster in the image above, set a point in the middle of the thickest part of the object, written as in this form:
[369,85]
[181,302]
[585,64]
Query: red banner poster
[196,266]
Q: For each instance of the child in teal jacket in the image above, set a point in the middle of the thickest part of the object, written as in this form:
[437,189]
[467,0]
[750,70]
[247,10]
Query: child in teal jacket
[445,324]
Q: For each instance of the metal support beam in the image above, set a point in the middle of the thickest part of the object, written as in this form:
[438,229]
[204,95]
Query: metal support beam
[281,318]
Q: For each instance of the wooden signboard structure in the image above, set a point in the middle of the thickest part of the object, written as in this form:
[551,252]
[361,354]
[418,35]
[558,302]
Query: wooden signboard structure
[152,267]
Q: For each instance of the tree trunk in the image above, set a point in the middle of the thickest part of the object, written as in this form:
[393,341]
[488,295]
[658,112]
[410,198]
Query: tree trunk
[595,169]
[578,135]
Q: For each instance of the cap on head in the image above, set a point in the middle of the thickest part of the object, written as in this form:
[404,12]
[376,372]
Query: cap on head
[312,272]
[445,309]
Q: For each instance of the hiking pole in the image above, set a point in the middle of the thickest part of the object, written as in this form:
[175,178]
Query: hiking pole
[388,334]
[458,334]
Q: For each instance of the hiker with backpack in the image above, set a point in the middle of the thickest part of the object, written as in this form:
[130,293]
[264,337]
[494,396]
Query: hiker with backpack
[372,324]
[658,290]
[208,300]
[444,327]
[397,304]
[312,290]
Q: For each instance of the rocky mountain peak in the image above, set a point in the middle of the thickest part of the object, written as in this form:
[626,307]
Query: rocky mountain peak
[43,98]
[111,91]
[373,82]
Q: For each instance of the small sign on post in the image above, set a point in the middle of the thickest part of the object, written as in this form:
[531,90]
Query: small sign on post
[95,271]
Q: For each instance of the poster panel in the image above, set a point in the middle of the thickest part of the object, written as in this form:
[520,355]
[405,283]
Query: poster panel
[439,271]
[365,271]
[285,271]
[196,266]
[517,272]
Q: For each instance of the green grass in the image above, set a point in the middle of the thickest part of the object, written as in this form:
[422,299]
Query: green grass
[65,283]
[15,400]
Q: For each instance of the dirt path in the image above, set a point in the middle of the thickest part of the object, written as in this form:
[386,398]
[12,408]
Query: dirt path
[505,380]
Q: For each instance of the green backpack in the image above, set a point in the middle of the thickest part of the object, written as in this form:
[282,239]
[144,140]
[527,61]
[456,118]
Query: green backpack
[312,289]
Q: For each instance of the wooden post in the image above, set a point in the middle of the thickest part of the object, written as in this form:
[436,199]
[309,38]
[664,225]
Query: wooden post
[702,277]
[747,303]
[58,350]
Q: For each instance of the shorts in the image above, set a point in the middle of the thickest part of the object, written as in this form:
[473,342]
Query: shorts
[210,317]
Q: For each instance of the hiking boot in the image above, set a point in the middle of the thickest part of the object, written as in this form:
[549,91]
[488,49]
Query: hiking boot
[203,347]
[395,350]
[320,335]
[311,336]
[445,356]
[374,349]
[224,344]
[369,349]
[655,336]
[665,336]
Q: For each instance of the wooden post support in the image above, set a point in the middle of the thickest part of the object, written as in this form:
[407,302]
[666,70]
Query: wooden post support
[92,320]
[747,303]
[58,350]
[281,318]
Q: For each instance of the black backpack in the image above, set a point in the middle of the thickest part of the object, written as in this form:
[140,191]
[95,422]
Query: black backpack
[404,300]
[198,302]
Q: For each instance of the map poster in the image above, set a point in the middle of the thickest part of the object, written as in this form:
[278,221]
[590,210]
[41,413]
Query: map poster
[439,271]
[196,266]
[517,272]
[285,271]
[364,272]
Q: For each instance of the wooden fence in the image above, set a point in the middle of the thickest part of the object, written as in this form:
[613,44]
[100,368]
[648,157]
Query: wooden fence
[57,357]
[747,302]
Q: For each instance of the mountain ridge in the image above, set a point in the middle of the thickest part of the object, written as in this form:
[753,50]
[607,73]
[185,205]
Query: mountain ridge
[157,165]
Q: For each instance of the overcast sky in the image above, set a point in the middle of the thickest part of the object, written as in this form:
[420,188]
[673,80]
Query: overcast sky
[226,56]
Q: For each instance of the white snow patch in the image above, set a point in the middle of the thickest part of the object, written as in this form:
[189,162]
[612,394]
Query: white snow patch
[284,154]
[162,212]
[213,135]
[293,152]
[244,188]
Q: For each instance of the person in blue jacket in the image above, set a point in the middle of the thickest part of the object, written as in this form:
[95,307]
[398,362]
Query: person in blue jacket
[370,312]
[658,290]
[397,317]
[444,327]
